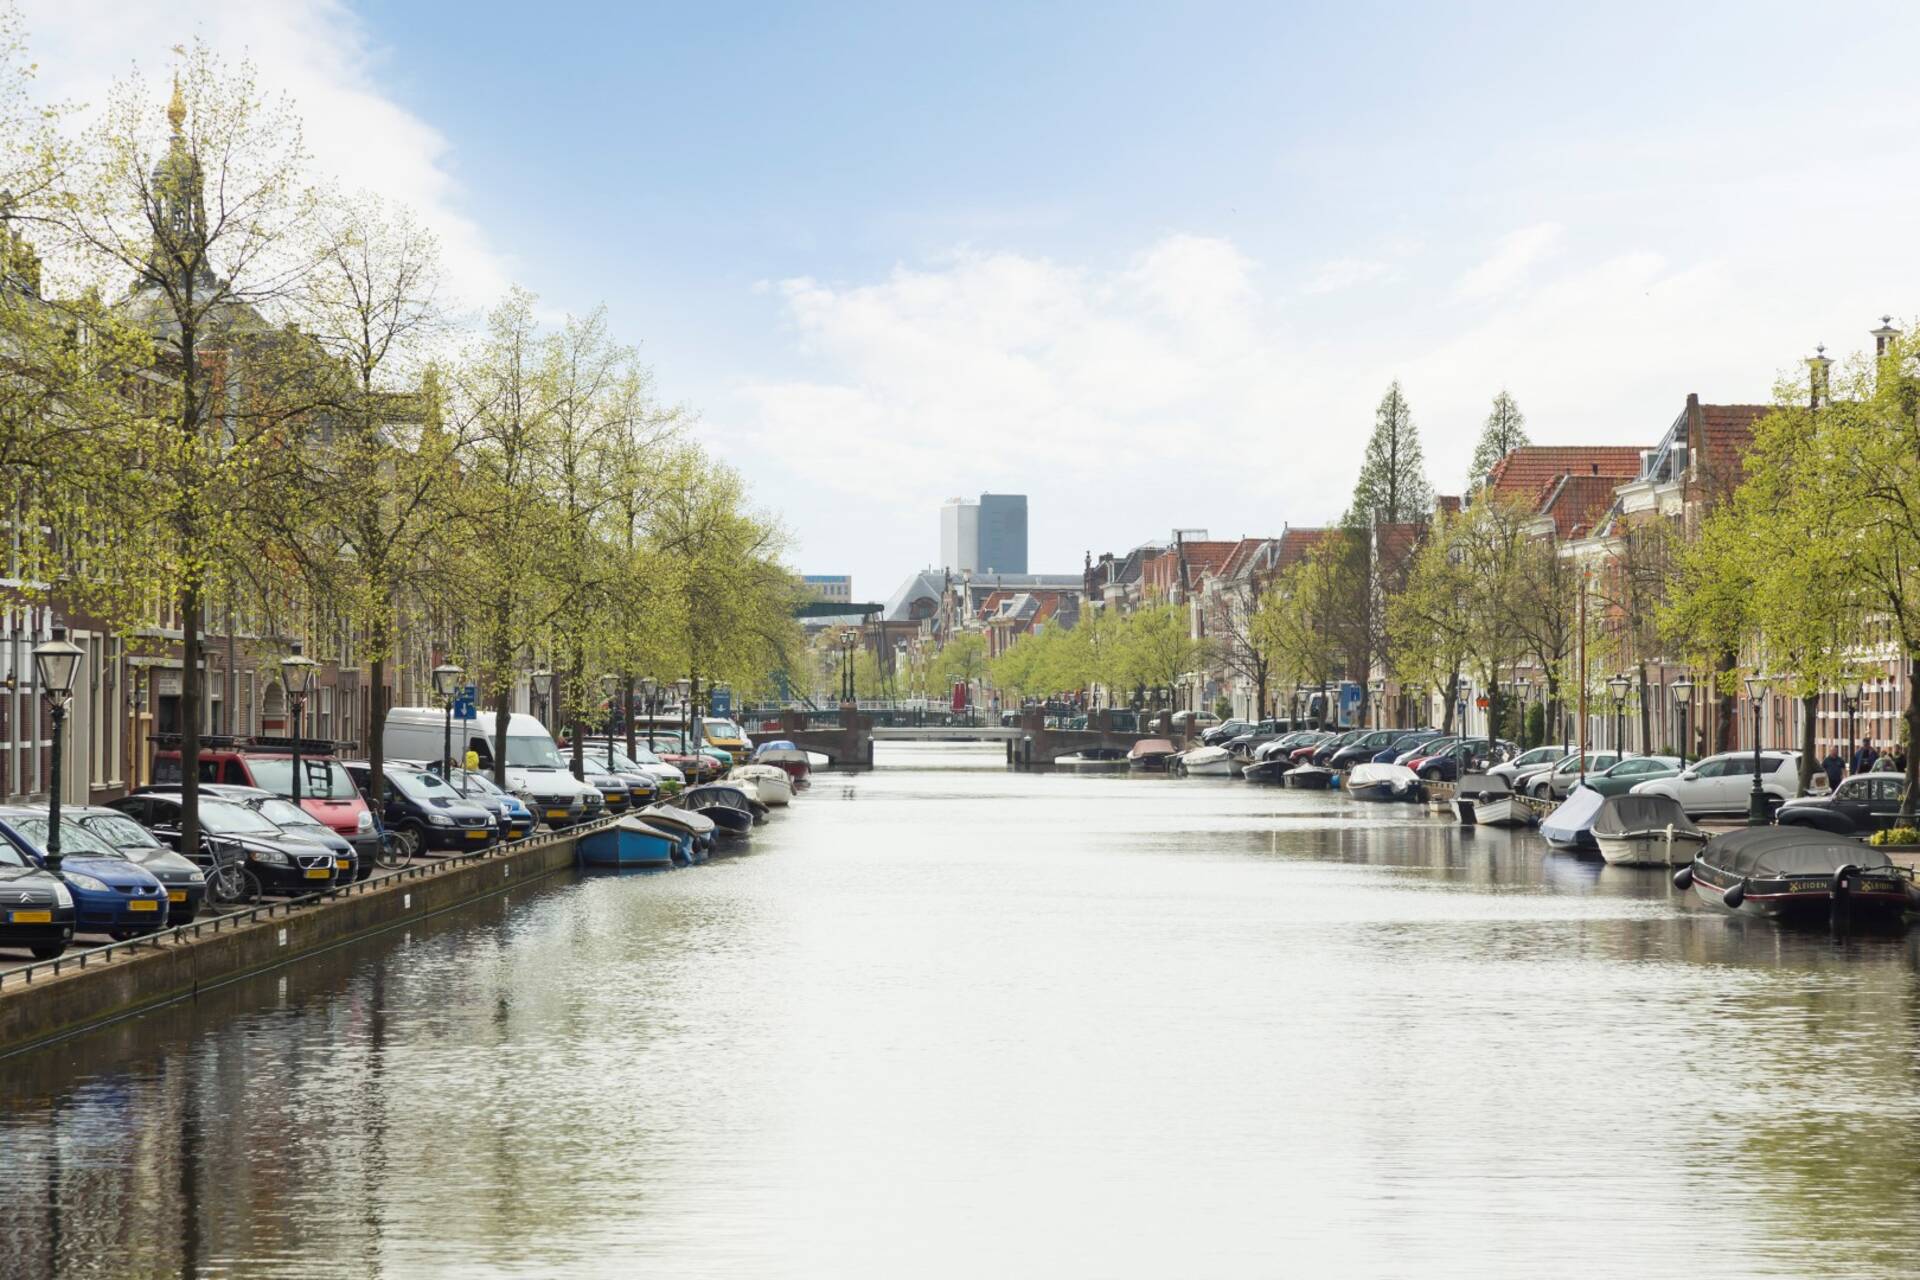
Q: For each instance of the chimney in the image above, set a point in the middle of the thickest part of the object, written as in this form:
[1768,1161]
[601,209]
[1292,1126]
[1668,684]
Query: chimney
[1883,337]
[1594,468]
[1817,366]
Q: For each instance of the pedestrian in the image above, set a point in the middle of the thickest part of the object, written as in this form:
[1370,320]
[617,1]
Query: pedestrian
[1862,758]
[1883,763]
[1834,768]
[1900,758]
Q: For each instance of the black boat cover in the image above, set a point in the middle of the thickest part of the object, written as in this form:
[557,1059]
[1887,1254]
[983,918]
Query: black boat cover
[1771,853]
[1483,785]
[1625,815]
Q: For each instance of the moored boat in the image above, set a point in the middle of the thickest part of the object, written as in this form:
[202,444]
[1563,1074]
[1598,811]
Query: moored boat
[1271,771]
[1094,760]
[1485,800]
[1383,782]
[1203,762]
[1646,831]
[772,786]
[1798,873]
[784,755]
[630,842]
[1310,777]
[730,808]
[1570,826]
[1150,754]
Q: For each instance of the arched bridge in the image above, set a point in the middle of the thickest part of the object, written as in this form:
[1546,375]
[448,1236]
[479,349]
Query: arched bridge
[849,744]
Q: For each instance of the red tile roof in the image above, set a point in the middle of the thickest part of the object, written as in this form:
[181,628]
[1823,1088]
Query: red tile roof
[1448,504]
[1722,436]
[1297,544]
[1524,472]
[1394,544]
[1577,502]
[1243,552]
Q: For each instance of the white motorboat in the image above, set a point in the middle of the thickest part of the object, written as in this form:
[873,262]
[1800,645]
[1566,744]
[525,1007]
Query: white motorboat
[1486,800]
[1094,760]
[1646,831]
[771,785]
[1204,762]
[1383,782]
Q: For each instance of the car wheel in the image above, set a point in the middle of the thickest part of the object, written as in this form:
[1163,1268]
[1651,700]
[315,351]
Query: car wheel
[410,840]
[47,950]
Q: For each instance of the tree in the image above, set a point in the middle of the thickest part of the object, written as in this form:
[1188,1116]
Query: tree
[207,218]
[1295,625]
[1431,621]
[1505,431]
[1393,476]
[1236,643]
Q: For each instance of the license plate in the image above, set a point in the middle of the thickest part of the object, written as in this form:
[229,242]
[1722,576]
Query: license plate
[556,813]
[476,835]
[343,864]
[144,904]
[31,917]
[176,895]
[319,873]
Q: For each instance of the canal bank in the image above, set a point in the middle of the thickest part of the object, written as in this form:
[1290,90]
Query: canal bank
[45,1002]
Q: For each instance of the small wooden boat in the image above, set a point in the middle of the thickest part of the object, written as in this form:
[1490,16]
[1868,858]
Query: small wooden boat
[771,785]
[1203,762]
[1570,826]
[1311,777]
[729,808]
[1271,771]
[1094,760]
[1646,831]
[1485,799]
[1798,873]
[1150,754]
[630,842]
[1383,782]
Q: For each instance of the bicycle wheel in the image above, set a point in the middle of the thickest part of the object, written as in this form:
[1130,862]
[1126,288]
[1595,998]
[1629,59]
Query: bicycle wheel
[232,885]
[393,853]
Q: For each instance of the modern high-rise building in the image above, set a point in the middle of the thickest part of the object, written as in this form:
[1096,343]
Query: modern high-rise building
[987,536]
[1003,532]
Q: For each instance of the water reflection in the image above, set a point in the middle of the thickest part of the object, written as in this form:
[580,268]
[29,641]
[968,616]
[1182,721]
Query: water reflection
[946,1020]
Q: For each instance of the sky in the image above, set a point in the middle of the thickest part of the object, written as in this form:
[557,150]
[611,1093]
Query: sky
[1151,265]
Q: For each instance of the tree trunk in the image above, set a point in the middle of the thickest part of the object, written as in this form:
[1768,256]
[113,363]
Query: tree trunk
[1908,797]
[1453,694]
[1724,709]
[503,698]
[190,649]
[576,715]
[376,734]
[628,704]
[1646,714]
[1808,751]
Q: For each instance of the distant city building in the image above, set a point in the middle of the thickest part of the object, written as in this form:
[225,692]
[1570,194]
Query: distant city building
[984,536]
[835,588]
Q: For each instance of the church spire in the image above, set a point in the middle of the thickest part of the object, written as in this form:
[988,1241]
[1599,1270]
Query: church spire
[177,109]
[178,206]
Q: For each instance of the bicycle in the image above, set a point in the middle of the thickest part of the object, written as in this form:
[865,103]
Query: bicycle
[229,883]
[394,852]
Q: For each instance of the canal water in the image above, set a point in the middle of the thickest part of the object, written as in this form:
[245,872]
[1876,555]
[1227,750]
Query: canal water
[947,1021]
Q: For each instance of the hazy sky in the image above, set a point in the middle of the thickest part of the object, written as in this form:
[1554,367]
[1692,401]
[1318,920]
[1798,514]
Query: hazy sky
[1151,265]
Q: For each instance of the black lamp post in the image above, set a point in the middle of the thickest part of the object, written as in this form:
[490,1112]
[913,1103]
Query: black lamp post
[296,673]
[1618,686]
[540,683]
[1378,688]
[647,687]
[1522,690]
[1682,696]
[611,684]
[446,679]
[57,665]
[1757,799]
[1853,705]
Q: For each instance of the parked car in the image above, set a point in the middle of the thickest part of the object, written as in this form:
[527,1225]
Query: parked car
[36,907]
[513,819]
[1861,804]
[720,732]
[1324,753]
[1555,783]
[267,764]
[280,862]
[297,823]
[112,894]
[641,787]
[667,780]
[1532,759]
[534,769]
[426,815]
[1722,784]
[1407,741]
[1446,761]
[1623,777]
[1218,735]
[1362,748]
[184,881]
[614,792]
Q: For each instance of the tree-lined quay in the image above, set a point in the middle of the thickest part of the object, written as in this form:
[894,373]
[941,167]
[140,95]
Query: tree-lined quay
[244,419]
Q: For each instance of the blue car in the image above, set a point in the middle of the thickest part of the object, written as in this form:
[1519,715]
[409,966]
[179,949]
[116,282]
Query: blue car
[36,907]
[112,894]
[513,818]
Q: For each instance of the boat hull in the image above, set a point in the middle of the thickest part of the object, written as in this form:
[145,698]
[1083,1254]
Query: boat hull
[1212,769]
[623,846]
[1310,778]
[1807,899]
[1382,791]
[1268,772]
[1498,811]
[1648,849]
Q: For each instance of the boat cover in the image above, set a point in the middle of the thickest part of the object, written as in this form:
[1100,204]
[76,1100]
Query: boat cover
[1205,755]
[778,744]
[1151,747]
[1629,814]
[1770,853]
[1484,786]
[1571,825]
[1396,776]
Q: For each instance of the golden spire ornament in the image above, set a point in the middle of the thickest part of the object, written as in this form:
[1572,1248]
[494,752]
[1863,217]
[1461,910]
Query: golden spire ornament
[177,109]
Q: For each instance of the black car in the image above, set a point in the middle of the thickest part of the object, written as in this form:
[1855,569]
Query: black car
[36,907]
[1467,755]
[1362,749]
[298,824]
[280,862]
[1226,731]
[1861,804]
[425,814]
[184,881]
[1324,753]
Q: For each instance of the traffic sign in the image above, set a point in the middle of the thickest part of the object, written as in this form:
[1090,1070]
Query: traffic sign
[465,703]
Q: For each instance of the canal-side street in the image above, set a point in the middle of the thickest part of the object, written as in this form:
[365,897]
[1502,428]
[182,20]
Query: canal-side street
[946,1020]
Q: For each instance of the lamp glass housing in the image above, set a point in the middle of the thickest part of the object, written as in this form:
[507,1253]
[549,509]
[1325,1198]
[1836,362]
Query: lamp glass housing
[1683,691]
[57,664]
[446,678]
[1619,685]
[296,672]
[542,684]
[1756,687]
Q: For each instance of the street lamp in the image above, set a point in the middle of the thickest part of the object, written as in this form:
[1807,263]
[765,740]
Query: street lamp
[1522,690]
[1378,687]
[296,673]
[1757,799]
[1682,696]
[1619,686]
[648,688]
[1853,705]
[446,679]
[610,684]
[540,683]
[57,665]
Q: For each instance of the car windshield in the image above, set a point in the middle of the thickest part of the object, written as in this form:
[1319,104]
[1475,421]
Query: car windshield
[222,818]
[465,780]
[74,838]
[10,856]
[285,813]
[533,751]
[319,779]
[120,831]
[721,728]
[423,786]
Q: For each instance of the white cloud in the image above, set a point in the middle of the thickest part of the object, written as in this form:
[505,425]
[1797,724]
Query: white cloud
[317,53]
[1517,255]
[1341,274]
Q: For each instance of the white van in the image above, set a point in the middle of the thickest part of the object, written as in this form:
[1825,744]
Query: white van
[536,771]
